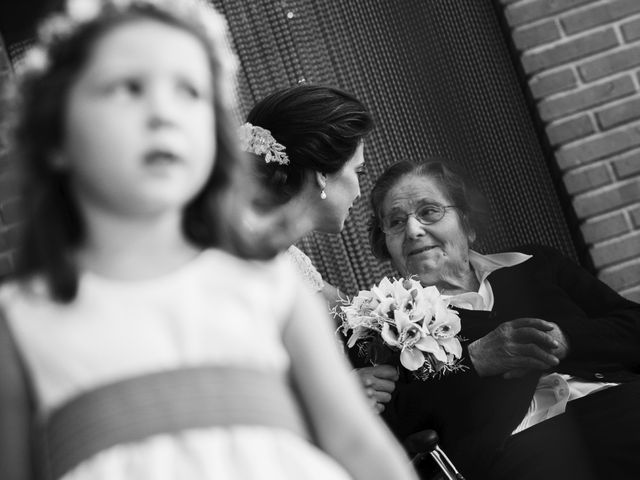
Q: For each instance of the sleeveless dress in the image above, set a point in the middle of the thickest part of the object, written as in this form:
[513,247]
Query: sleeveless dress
[216,310]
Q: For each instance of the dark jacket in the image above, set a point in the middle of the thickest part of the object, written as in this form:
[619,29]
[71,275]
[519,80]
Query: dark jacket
[475,415]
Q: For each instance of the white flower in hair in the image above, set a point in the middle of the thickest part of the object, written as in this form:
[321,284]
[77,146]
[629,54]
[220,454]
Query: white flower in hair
[259,140]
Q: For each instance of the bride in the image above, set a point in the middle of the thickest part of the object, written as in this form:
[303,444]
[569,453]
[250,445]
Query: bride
[308,141]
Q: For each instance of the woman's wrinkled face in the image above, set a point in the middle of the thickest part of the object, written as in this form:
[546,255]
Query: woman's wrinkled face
[342,189]
[436,253]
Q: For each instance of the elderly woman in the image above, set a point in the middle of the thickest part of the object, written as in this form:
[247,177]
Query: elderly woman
[553,354]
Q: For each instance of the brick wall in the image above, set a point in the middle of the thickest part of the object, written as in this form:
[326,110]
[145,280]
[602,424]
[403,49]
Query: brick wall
[582,61]
[8,194]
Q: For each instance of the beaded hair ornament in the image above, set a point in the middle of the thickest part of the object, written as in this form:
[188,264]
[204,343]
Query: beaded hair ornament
[259,140]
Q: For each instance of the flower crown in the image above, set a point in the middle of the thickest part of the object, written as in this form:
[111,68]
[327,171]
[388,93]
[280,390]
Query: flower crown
[259,140]
[62,27]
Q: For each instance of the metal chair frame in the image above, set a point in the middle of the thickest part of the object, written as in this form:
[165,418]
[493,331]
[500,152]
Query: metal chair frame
[427,442]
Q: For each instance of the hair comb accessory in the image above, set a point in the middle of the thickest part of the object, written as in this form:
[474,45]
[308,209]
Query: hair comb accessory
[259,140]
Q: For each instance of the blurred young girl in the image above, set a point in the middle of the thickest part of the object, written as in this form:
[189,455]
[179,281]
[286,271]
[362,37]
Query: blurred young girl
[151,352]
[308,147]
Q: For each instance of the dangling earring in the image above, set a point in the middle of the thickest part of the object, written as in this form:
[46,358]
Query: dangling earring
[321,180]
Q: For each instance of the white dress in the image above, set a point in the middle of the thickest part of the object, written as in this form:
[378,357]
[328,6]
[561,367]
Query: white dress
[305,267]
[216,310]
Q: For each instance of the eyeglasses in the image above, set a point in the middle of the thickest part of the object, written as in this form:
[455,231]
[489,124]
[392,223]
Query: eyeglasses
[427,214]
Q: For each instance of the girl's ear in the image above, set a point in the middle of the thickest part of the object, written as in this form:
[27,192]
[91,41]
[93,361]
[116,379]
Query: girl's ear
[321,180]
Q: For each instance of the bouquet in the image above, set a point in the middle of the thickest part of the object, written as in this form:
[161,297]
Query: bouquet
[402,321]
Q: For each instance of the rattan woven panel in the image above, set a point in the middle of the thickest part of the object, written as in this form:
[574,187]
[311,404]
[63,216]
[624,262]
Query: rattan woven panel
[439,80]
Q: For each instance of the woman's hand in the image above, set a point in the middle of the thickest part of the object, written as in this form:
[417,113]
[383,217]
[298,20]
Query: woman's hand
[379,382]
[562,350]
[517,347]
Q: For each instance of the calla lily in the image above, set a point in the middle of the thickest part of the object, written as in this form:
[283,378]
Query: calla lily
[430,345]
[405,333]
[383,290]
[412,340]
[390,336]
[411,358]
[452,346]
[386,307]
[445,323]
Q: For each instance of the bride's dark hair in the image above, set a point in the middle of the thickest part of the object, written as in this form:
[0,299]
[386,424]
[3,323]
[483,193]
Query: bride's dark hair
[320,127]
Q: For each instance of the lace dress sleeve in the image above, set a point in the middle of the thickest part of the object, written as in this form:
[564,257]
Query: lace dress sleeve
[303,265]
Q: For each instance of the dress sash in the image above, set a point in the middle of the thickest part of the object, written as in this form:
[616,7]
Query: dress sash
[168,402]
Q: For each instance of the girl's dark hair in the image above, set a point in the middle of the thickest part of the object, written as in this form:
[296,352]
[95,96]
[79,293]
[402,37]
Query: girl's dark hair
[452,181]
[320,127]
[54,226]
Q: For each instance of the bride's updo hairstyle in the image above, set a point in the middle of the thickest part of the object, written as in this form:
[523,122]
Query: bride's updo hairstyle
[320,127]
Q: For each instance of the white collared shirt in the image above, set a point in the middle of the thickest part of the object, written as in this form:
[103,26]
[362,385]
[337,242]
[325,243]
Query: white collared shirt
[553,390]
[483,265]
